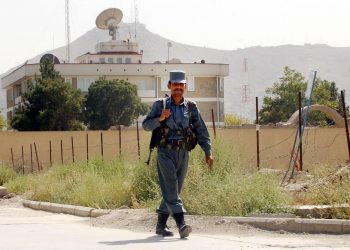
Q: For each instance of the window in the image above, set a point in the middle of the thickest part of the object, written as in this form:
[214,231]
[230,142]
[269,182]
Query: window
[17,91]
[146,88]
[102,60]
[84,83]
[128,60]
[119,60]
[110,60]
[68,80]
[190,83]
[164,83]
[9,95]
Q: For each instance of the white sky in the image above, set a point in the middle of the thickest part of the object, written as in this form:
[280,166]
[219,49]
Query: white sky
[30,27]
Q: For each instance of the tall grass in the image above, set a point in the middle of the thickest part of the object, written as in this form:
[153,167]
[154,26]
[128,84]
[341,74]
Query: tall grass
[234,119]
[229,189]
[6,174]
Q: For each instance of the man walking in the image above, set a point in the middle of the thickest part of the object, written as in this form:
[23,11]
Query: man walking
[181,125]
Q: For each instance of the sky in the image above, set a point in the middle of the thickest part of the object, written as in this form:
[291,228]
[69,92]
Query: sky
[30,27]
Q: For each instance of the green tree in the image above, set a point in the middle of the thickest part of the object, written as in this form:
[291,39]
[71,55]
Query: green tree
[110,103]
[50,104]
[282,100]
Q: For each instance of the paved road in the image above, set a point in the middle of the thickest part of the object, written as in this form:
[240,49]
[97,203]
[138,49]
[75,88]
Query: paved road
[22,228]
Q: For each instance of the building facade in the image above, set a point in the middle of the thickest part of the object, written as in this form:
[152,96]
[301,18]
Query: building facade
[123,60]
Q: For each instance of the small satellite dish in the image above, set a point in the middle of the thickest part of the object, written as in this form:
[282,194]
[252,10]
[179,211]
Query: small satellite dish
[109,19]
[52,58]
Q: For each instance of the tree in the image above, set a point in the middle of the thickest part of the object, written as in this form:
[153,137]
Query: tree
[50,104]
[110,103]
[282,101]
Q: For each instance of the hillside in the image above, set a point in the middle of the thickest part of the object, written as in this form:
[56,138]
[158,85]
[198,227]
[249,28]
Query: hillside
[265,64]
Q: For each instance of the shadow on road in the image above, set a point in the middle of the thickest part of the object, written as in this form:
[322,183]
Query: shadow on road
[151,239]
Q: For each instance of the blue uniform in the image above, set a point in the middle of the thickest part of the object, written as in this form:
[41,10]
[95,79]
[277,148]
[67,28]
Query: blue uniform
[172,163]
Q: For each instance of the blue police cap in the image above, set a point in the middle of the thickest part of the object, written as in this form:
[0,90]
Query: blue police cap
[177,76]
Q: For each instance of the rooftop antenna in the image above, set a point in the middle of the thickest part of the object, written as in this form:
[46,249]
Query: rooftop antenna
[109,19]
[67,32]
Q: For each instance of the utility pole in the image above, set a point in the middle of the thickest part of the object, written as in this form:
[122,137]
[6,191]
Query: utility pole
[67,32]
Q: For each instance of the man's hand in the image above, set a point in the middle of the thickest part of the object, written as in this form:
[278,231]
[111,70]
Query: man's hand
[165,114]
[209,160]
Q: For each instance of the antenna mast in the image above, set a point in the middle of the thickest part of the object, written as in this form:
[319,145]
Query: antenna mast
[245,86]
[136,17]
[67,32]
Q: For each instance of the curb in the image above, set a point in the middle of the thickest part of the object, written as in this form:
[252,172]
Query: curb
[294,225]
[66,209]
[298,225]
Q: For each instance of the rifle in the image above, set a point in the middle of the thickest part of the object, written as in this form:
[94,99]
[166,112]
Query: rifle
[157,134]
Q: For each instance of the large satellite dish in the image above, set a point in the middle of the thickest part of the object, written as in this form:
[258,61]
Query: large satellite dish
[50,57]
[109,19]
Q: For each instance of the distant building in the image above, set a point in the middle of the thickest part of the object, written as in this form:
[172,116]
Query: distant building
[121,59]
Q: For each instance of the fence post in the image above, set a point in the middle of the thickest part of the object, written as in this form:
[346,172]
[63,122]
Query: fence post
[346,121]
[87,147]
[300,138]
[212,118]
[120,140]
[50,154]
[37,158]
[138,140]
[72,148]
[61,152]
[13,163]
[102,145]
[31,158]
[257,132]
[22,161]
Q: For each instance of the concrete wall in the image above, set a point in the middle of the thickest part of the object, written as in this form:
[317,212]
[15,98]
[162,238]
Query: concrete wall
[321,146]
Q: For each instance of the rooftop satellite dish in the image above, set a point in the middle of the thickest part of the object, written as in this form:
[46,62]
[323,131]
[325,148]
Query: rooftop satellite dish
[53,59]
[109,19]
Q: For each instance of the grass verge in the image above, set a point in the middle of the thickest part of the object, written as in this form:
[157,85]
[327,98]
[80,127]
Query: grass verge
[229,189]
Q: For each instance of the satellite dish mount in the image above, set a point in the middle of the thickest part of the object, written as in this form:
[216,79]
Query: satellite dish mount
[109,19]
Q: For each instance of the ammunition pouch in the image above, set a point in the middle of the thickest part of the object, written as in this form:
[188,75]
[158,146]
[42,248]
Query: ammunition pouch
[190,139]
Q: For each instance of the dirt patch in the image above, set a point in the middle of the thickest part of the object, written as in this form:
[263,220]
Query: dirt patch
[141,220]
[11,200]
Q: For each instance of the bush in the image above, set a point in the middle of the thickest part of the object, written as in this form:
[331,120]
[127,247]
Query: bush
[3,124]
[6,174]
[233,119]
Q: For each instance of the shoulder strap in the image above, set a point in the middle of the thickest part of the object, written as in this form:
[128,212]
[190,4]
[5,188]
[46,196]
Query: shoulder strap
[164,102]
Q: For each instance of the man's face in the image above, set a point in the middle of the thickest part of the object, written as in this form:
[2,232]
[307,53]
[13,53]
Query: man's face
[177,89]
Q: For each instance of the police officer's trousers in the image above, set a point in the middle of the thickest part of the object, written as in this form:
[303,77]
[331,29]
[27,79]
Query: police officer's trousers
[172,167]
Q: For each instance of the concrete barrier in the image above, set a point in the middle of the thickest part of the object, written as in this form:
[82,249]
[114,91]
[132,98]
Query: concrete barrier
[66,209]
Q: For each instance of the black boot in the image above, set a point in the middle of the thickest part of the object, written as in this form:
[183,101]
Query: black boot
[184,229]
[162,228]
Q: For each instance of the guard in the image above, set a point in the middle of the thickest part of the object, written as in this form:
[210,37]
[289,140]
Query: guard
[179,126]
